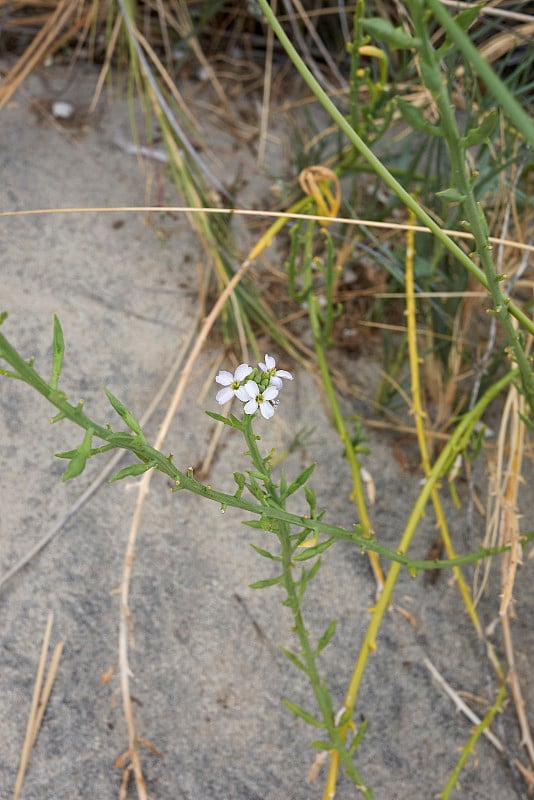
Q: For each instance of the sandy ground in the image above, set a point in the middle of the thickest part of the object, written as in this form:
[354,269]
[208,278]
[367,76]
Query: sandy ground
[208,677]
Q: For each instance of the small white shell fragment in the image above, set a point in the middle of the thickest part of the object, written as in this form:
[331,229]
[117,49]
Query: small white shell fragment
[367,478]
[62,109]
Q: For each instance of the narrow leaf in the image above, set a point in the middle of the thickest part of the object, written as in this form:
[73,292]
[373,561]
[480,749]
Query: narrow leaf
[325,638]
[313,551]
[132,471]
[267,582]
[123,412]
[77,464]
[300,480]
[310,499]
[484,131]
[265,553]
[240,479]
[452,195]
[299,712]
[384,32]
[416,119]
[293,658]
[58,348]
[230,421]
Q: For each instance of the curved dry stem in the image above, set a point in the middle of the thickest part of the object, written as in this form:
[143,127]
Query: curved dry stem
[129,557]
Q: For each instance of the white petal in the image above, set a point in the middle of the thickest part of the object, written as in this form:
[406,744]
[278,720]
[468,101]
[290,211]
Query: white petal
[274,381]
[270,363]
[270,393]
[283,373]
[267,410]
[251,407]
[252,389]
[224,377]
[241,372]
[242,394]
[224,395]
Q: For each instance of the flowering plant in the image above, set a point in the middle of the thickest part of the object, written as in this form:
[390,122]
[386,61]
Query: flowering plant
[256,387]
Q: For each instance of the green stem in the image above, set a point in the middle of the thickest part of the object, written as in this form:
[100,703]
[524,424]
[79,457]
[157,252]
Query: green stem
[379,168]
[147,454]
[283,533]
[432,77]
[522,121]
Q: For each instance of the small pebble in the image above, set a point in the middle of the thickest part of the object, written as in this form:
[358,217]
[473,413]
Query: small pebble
[62,110]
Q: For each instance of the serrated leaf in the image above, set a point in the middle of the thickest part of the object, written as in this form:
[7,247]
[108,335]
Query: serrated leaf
[293,658]
[416,119]
[58,349]
[124,413]
[325,638]
[300,480]
[265,553]
[313,551]
[299,712]
[452,195]
[77,463]
[265,583]
[384,32]
[484,131]
[132,471]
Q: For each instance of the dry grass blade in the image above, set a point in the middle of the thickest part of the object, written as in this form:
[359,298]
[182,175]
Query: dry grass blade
[49,39]
[40,698]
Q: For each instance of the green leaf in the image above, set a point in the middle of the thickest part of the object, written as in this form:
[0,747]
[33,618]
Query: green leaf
[299,712]
[267,582]
[356,742]
[321,744]
[300,480]
[416,119]
[384,32]
[310,499]
[464,20]
[132,471]
[310,552]
[123,440]
[241,481]
[123,412]
[484,131]
[58,348]
[293,658]
[325,638]
[231,421]
[265,553]
[452,195]
[3,316]
[77,463]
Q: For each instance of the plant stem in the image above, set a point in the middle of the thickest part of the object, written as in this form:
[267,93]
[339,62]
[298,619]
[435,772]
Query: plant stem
[339,422]
[380,169]
[431,73]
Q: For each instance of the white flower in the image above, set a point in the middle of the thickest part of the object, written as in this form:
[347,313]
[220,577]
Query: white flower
[275,375]
[232,383]
[253,398]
